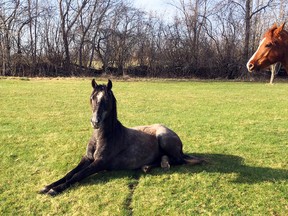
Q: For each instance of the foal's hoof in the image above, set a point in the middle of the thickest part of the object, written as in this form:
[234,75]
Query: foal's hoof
[146,168]
[52,192]
[165,163]
[44,190]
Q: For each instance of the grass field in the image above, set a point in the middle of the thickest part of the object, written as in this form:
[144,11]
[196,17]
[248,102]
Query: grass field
[241,128]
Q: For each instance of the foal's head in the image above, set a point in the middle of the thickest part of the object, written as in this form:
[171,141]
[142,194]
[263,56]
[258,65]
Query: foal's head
[270,50]
[103,104]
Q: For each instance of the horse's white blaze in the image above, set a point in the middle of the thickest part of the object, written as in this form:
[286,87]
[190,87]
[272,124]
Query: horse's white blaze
[99,96]
[255,53]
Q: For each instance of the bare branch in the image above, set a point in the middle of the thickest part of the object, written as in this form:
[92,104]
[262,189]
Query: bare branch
[261,8]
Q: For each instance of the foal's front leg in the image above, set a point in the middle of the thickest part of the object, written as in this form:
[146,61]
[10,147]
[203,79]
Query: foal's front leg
[85,162]
[94,167]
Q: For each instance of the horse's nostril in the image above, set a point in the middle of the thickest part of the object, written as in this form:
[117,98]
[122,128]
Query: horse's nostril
[250,67]
[95,121]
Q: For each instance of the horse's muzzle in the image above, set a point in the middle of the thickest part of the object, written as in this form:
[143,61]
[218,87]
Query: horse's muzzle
[250,67]
[95,123]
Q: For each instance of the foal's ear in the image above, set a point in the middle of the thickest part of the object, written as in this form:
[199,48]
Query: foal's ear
[94,84]
[109,84]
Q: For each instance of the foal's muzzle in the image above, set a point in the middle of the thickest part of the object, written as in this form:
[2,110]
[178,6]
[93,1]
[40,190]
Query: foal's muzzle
[95,122]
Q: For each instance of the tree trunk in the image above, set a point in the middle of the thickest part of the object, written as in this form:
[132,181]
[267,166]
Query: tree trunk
[247,29]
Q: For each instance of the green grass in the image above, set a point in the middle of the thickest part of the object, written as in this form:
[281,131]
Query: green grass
[241,128]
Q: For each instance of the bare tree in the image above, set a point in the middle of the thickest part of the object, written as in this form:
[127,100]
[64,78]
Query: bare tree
[69,11]
[8,13]
[249,14]
[282,10]
[99,24]
[206,38]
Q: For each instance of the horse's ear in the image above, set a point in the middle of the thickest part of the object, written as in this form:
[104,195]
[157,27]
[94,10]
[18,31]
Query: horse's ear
[279,29]
[282,26]
[94,84]
[109,84]
[274,26]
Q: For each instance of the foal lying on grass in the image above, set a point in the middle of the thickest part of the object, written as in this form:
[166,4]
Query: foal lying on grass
[115,147]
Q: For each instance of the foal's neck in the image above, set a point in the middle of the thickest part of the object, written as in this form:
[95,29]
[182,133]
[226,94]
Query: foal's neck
[110,129]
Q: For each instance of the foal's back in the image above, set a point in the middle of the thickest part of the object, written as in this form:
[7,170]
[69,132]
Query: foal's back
[145,145]
[167,141]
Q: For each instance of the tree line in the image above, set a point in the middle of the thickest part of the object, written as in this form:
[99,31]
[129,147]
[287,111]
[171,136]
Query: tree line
[203,39]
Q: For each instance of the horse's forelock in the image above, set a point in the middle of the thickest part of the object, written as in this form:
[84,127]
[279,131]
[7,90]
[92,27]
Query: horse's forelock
[96,90]
[269,34]
[103,88]
[273,33]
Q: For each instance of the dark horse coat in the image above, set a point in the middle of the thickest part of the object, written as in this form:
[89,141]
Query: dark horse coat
[115,147]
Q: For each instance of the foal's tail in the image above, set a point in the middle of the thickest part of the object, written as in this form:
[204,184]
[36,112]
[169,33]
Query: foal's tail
[193,160]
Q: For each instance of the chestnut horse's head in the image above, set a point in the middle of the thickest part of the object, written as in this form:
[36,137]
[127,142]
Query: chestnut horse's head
[270,50]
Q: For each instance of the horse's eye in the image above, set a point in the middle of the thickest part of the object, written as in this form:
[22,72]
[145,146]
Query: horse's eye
[268,45]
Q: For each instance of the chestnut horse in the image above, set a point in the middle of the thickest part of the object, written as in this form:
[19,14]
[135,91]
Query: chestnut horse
[273,48]
[115,147]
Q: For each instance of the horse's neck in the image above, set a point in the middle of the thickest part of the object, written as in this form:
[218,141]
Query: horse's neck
[285,46]
[108,140]
[285,64]
[111,130]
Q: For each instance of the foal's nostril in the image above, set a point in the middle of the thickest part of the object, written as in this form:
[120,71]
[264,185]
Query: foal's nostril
[95,121]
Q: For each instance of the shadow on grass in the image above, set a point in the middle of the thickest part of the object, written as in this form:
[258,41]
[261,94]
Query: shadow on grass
[217,163]
[228,164]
